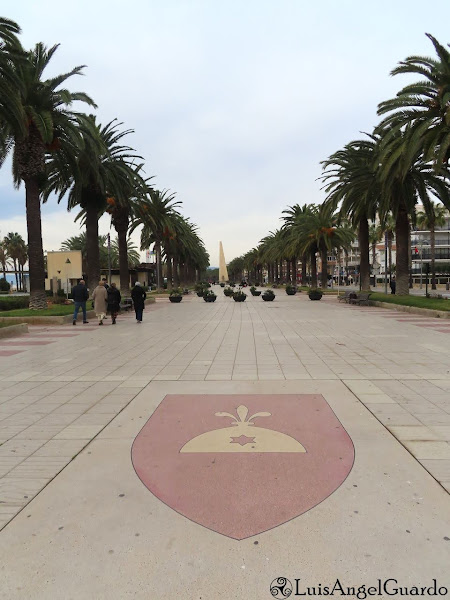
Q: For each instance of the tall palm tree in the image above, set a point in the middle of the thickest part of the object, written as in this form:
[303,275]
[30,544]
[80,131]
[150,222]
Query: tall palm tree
[91,175]
[318,232]
[423,106]
[4,257]
[432,217]
[131,188]
[156,214]
[294,215]
[350,181]
[15,246]
[45,123]
[404,181]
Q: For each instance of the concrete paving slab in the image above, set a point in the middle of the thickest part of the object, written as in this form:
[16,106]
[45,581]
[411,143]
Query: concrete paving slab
[77,517]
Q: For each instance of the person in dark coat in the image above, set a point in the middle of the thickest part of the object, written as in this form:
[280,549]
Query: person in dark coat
[138,295]
[114,299]
[80,294]
[392,285]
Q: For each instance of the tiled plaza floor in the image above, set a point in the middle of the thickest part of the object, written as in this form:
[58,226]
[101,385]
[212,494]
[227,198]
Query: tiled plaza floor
[61,387]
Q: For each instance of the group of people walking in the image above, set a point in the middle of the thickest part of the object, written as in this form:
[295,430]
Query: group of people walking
[106,299]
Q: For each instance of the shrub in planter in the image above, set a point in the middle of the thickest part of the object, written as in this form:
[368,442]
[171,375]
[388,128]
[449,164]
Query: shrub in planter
[232,284]
[209,296]
[315,294]
[239,296]
[291,290]
[254,291]
[222,284]
[268,296]
[5,286]
[228,292]
[274,285]
[176,295]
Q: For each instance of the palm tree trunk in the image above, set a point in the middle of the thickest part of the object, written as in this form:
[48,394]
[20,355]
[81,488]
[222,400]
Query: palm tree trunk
[313,269]
[294,271]
[16,275]
[364,264]
[304,266]
[433,257]
[402,237]
[169,272]
[92,249]
[123,261]
[159,273]
[176,274]
[288,271]
[38,299]
[324,274]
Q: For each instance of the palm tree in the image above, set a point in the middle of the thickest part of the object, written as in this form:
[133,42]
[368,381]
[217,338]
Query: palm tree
[294,215]
[404,181]
[132,189]
[434,216]
[156,214]
[15,247]
[89,176]
[423,107]
[4,257]
[38,123]
[350,181]
[318,232]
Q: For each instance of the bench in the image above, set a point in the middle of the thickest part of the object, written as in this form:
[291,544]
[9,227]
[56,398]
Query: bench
[345,296]
[361,298]
[126,304]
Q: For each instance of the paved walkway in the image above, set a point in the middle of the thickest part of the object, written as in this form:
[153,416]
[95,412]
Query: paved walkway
[78,522]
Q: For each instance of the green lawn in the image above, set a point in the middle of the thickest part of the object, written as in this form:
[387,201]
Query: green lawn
[55,311]
[416,301]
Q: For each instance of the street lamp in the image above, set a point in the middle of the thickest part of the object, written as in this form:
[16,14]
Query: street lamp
[67,278]
[422,242]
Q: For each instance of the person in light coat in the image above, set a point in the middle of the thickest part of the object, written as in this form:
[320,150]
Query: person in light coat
[100,300]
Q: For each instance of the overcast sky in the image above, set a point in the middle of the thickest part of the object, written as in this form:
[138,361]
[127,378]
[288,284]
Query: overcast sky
[234,103]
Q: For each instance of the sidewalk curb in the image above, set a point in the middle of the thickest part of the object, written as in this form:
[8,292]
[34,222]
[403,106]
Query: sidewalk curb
[412,309]
[13,330]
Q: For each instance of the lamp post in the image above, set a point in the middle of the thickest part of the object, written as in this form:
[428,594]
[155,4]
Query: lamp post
[422,242]
[109,259]
[67,278]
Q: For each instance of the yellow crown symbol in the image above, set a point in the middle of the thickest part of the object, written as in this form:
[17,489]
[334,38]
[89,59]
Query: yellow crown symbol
[243,436]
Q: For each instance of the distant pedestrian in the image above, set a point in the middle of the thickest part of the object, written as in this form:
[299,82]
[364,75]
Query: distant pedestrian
[100,299]
[114,299]
[138,295]
[392,285]
[105,283]
[80,295]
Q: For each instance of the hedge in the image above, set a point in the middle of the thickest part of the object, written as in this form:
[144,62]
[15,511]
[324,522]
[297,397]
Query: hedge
[14,302]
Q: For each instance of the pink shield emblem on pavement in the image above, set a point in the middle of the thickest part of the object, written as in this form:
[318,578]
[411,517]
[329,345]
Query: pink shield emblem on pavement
[242,464]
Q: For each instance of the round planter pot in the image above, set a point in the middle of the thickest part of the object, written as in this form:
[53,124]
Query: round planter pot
[200,294]
[239,299]
[210,299]
[257,293]
[291,292]
[175,298]
[315,296]
[268,298]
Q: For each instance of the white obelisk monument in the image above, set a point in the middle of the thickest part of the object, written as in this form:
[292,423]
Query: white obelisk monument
[223,273]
